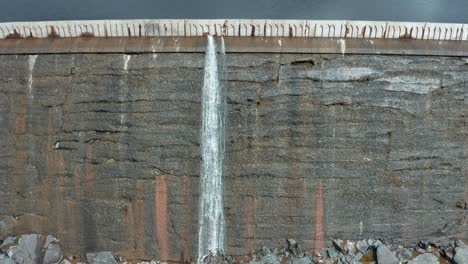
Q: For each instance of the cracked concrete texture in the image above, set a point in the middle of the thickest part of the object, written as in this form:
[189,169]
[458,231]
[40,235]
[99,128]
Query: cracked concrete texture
[107,158]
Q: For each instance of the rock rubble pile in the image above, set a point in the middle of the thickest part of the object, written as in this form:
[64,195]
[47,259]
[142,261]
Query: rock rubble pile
[46,249]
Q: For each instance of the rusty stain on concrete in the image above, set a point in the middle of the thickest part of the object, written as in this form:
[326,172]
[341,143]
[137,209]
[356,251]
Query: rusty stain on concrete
[161,216]
[319,232]
[53,33]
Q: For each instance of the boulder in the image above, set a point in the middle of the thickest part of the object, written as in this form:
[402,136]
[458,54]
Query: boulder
[33,248]
[461,255]
[362,246]
[270,259]
[293,248]
[385,256]
[104,257]
[4,259]
[303,260]
[426,258]
[7,243]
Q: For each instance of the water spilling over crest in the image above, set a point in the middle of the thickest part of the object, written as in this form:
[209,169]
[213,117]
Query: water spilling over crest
[211,222]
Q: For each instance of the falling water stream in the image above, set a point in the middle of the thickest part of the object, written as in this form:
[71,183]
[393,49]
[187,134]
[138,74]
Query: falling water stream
[211,222]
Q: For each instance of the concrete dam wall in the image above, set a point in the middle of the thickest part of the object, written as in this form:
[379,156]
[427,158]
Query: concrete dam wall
[100,141]
[103,150]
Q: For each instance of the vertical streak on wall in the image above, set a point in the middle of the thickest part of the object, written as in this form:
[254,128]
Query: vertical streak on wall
[319,219]
[161,217]
[31,62]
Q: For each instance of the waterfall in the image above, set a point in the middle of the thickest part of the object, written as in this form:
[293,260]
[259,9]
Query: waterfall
[211,221]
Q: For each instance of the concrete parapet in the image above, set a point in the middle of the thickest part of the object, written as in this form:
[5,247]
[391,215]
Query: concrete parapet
[234,28]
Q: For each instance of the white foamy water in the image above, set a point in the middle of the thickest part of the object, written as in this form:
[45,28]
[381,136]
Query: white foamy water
[31,63]
[211,222]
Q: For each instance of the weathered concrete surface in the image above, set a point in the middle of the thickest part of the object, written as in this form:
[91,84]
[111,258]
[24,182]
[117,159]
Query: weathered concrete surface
[237,45]
[102,151]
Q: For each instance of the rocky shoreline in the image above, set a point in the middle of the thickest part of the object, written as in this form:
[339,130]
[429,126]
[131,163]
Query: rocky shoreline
[46,249]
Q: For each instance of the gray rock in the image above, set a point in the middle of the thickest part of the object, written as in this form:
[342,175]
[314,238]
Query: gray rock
[104,257]
[26,250]
[8,242]
[303,260]
[448,254]
[53,253]
[461,255]
[34,248]
[332,253]
[338,244]
[426,258]
[404,254]
[362,246]
[420,250]
[385,256]
[265,251]
[452,243]
[4,259]
[459,243]
[293,247]
[270,259]
[356,258]
[350,249]
[342,259]
[377,243]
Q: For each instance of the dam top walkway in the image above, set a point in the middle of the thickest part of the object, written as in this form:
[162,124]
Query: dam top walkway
[289,36]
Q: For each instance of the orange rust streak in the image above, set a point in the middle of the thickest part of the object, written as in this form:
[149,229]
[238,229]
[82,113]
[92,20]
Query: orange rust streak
[161,216]
[140,219]
[319,219]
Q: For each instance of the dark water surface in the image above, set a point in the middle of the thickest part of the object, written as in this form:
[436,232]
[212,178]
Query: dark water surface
[455,11]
